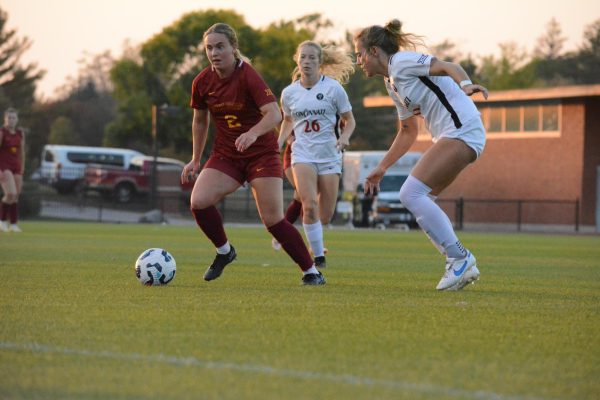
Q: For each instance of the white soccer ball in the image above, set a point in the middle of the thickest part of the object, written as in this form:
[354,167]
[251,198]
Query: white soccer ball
[155,267]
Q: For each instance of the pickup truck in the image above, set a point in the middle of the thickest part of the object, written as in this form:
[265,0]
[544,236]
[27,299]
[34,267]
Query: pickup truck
[124,184]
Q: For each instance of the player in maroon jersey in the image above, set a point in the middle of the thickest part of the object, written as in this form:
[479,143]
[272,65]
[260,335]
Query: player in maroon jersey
[245,113]
[12,165]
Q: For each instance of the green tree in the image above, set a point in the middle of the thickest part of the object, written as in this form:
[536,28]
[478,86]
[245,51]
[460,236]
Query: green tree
[161,72]
[549,45]
[548,61]
[63,132]
[278,43]
[446,51]
[17,81]
[511,70]
[585,64]
[575,67]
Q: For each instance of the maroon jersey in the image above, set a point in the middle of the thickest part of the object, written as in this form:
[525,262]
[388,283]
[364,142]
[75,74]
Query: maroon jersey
[234,104]
[11,151]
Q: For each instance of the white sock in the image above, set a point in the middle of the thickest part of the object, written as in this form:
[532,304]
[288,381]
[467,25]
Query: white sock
[311,270]
[225,249]
[414,194]
[435,244]
[314,235]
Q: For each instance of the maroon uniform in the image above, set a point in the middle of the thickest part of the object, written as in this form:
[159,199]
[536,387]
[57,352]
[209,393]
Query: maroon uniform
[234,104]
[11,151]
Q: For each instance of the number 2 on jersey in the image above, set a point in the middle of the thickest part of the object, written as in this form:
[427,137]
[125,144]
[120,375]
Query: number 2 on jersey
[232,121]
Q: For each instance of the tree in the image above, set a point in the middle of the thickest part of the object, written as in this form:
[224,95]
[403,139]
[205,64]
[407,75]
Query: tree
[161,72]
[17,81]
[63,132]
[511,70]
[585,64]
[278,43]
[446,51]
[549,46]
[94,70]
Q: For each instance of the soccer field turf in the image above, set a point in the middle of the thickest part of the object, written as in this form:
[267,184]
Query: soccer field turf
[76,323]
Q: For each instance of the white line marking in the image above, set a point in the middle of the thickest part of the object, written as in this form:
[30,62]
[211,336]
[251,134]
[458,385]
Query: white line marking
[266,370]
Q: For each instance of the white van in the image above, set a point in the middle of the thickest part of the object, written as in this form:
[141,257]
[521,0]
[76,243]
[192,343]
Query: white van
[63,166]
[386,208]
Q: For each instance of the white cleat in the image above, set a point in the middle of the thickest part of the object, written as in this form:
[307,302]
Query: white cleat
[456,268]
[15,228]
[276,245]
[4,226]
[469,277]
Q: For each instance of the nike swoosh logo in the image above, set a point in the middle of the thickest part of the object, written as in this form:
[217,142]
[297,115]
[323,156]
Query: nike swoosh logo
[259,169]
[457,272]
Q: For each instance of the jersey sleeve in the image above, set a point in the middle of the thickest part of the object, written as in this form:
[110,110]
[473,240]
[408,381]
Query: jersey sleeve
[341,100]
[285,107]
[198,100]
[410,63]
[260,92]
[403,112]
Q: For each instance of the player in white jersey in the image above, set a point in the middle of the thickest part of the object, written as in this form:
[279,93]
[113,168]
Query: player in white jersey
[440,91]
[314,106]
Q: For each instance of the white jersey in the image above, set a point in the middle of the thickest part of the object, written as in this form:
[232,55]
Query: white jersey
[315,113]
[444,106]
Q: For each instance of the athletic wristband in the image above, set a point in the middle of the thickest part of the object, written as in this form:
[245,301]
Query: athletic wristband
[464,83]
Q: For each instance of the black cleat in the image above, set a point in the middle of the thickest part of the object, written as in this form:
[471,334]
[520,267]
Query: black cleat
[313,279]
[320,262]
[219,264]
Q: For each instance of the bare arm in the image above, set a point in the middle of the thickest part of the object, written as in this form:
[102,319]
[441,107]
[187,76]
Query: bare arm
[458,74]
[348,124]
[22,153]
[404,139]
[199,133]
[287,126]
[271,117]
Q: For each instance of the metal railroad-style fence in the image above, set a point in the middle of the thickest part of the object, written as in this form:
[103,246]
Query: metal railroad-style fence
[41,201]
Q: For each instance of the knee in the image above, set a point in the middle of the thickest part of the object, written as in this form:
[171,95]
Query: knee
[310,210]
[412,190]
[199,202]
[10,198]
[406,195]
[196,205]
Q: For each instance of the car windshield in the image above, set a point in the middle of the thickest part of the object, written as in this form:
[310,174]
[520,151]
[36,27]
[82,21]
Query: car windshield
[391,183]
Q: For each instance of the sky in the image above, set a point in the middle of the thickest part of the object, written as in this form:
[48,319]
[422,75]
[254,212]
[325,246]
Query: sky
[64,31]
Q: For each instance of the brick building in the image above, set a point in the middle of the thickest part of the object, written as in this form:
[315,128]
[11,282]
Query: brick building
[542,155]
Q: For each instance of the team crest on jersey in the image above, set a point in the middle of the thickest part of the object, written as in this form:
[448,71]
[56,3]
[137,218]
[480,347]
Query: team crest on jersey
[320,96]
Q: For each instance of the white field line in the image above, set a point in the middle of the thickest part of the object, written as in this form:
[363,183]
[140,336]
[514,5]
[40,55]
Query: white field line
[424,388]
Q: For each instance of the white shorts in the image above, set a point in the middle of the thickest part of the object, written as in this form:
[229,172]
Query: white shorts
[324,168]
[472,133]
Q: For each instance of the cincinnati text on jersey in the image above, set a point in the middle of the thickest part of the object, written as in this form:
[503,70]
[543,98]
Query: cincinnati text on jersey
[308,113]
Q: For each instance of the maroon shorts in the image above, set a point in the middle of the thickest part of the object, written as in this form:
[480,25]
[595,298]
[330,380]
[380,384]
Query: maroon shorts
[248,169]
[287,157]
[11,165]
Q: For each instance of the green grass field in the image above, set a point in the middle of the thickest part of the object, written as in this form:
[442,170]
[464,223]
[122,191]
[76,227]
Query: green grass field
[76,323]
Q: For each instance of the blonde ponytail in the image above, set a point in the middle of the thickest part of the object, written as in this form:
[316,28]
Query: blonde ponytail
[334,62]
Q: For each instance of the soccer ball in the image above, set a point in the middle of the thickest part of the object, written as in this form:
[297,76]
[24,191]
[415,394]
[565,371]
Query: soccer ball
[155,267]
